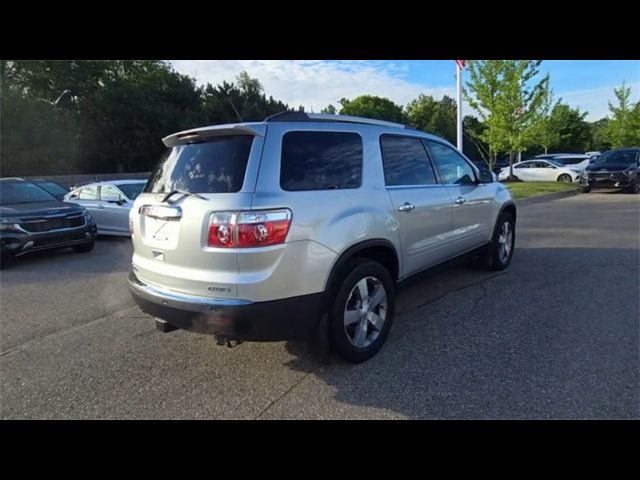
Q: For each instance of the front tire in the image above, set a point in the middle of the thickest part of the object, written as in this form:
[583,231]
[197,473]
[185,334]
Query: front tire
[586,189]
[87,247]
[635,188]
[500,251]
[565,178]
[362,311]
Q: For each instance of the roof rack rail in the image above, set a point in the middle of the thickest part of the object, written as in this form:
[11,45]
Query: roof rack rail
[327,117]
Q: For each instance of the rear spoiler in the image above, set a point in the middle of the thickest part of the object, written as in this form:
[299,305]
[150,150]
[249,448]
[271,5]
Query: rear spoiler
[256,130]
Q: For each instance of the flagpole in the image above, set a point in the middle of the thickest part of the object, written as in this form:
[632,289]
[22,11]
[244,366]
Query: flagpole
[459,89]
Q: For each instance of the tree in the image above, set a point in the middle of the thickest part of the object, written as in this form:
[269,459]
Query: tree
[482,92]
[543,131]
[507,97]
[518,104]
[434,116]
[599,140]
[371,106]
[623,129]
[329,109]
[574,133]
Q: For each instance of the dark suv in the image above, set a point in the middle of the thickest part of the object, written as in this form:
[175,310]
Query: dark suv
[619,168]
[32,219]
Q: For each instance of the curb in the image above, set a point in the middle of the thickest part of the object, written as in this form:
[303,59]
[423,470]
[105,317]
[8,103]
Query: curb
[547,197]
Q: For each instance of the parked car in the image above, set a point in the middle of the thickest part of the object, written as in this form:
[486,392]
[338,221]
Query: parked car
[32,219]
[54,188]
[619,168]
[109,203]
[540,171]
[252,231]
[575,161]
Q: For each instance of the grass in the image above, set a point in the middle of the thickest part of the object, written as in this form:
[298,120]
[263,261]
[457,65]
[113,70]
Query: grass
[532,189]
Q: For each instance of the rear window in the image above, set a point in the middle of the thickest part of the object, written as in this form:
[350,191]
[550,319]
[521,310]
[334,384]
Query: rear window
[131,190]
[217,165]
[321,161]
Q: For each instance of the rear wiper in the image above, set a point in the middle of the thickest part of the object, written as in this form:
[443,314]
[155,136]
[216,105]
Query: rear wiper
[181,192]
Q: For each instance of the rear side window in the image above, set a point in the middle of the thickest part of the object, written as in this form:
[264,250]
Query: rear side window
[320,161]
[217,165]
[89,193]
[405,161]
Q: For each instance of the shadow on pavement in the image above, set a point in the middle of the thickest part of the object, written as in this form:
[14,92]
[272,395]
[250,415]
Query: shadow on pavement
[554,336]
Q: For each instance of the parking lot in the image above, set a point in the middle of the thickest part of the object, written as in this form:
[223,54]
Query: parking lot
[554,336]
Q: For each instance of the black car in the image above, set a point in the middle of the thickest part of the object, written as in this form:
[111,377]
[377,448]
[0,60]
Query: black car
[619,168]
[32,219]
[51,187]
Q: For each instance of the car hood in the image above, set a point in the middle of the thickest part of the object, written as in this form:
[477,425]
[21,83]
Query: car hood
[609,167]
[38,209]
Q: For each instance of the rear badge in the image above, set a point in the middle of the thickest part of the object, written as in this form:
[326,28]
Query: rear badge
[158,255]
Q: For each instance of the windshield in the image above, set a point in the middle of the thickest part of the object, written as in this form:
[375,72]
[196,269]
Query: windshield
[620,156]
[217,165]
[556,163]
[131,190]
[22,192]
[52,188]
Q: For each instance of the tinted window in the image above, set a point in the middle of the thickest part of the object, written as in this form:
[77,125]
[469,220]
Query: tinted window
[131,190]
[619,156]
[217,165]
[523,165]
[454,169]
[109,194]
[22,192]
[320,161]
[405,161]
[52,188]
[89,193]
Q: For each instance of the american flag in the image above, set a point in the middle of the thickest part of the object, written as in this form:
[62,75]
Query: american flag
[460,63]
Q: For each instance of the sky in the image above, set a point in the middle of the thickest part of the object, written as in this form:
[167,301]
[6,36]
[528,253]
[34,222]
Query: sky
[587,84]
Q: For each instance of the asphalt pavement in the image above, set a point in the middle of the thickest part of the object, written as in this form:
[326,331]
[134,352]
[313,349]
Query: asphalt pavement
[554,336]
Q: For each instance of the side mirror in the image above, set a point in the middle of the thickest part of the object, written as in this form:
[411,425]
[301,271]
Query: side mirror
[485,176]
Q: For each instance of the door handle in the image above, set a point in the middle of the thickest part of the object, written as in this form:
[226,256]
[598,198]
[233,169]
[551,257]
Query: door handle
[459,201]
[407,207]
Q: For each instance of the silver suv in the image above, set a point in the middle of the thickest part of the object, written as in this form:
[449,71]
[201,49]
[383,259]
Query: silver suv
[254,231]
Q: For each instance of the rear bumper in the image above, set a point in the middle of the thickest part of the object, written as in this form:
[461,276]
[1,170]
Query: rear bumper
[293,318]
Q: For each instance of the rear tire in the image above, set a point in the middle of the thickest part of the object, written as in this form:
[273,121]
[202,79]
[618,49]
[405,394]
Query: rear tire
[362,311]
[500,251]
[87,247]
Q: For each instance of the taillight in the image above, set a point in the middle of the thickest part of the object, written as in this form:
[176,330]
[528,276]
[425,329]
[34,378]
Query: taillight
[249,229]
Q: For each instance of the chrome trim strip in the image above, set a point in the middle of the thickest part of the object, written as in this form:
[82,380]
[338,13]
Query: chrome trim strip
[183,301]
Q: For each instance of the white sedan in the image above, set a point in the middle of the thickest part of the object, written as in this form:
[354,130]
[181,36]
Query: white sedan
[109,203]
[540,171]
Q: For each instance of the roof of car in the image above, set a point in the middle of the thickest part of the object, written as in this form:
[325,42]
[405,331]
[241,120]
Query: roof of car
[258,128]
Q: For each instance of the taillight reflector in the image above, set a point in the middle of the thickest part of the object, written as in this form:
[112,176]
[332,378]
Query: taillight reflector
[248,229]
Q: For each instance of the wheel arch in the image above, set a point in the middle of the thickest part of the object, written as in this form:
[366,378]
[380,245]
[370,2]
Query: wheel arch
[379,250]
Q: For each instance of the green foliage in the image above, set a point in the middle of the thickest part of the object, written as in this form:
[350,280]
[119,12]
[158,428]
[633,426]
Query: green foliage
[329,109]
[574,133]
[543,131]
[508,98]
[434,116]
[599,135]
[371,106]
[623,129]
[115,115]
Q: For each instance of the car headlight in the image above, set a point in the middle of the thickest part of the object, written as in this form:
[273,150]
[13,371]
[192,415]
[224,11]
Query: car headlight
[87,215]
[629,171]
[584,174]
[5,226]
